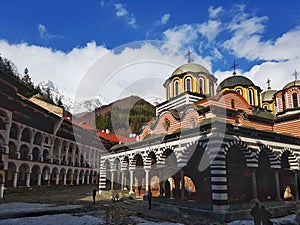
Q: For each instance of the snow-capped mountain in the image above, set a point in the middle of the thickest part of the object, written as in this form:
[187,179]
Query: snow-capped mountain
[56,94]
[154,100]
[75,106]
[87,104]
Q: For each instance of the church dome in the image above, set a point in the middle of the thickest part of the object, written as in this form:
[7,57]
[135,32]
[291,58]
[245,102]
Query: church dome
[267,96]
[293,83]
[234,81]
[190,67]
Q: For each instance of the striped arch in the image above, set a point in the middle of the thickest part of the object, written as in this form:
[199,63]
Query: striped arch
[133,161]
[294,165]
[250,156]
[125,163]
[161,154]
[272,156]
[150,158]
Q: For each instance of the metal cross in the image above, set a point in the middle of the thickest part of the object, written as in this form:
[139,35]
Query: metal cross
[295,74]
[234,67]
[269,83]
[188,54]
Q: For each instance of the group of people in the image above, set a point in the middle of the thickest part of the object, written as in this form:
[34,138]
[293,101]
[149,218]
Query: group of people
[261,215]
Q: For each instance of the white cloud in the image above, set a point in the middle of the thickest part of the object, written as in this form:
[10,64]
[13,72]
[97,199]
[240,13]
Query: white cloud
[210,29]
[182,35]
[94,70]
[213,13]
[44,34]
[121,11]
[163,20]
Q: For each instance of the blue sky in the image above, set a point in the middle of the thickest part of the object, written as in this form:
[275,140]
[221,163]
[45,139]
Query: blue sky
[62,40]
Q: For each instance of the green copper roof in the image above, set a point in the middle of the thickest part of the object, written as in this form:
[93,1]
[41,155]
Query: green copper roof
[190,67]
[267,96]
[234,81]
[293,83]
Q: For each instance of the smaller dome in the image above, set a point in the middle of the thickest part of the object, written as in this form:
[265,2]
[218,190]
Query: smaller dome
[190,67]
[234,81]
[267,96]
[293,83]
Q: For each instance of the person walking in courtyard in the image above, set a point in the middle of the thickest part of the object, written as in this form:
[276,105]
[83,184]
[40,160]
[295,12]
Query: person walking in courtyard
[149,197]
[94,196]
[265,216]
[256,214]
[115,196]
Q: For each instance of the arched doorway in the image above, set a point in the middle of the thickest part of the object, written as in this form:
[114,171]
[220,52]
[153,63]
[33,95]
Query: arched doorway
[238,177]
[265,177]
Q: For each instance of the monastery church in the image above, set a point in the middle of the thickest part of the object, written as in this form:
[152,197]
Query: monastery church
[218,144]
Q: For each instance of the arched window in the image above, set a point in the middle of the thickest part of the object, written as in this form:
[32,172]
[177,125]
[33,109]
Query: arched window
[211,88]
[295,100]
[176,88]
[188,84]
[251,96]
[201,85]
[240,91]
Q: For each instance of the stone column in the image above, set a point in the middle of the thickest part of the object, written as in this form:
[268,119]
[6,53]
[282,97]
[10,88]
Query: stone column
[122,179]
[182,183]
[277,185]
[112,180]
[28,180]
[59,153]
[254,185]
[1,190]
[77,178]
[49,179]
[296,186]
[131,181]
[147,179]
[88,179]
[39,179]
[82,179]
[65,179]
[57,179]
[72,177]
[15,179]
[6,138]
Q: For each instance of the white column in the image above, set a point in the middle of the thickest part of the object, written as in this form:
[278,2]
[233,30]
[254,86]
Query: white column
[65,179]
[39,179]
[28,180]
[131,180]
[147,179]
[57,179]
[122,179]
[72,177]
[15,179]
[88,179]
[112,179]
[59,153]
[77,178]
[6,138]
[82,179]
[1,190]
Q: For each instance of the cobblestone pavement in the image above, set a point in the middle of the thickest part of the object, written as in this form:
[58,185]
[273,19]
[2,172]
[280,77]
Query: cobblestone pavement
[122,212]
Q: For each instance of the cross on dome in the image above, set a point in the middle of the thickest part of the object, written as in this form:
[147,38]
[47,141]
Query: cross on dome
[234,68]
[188,54]
[269,84]
[295,74]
